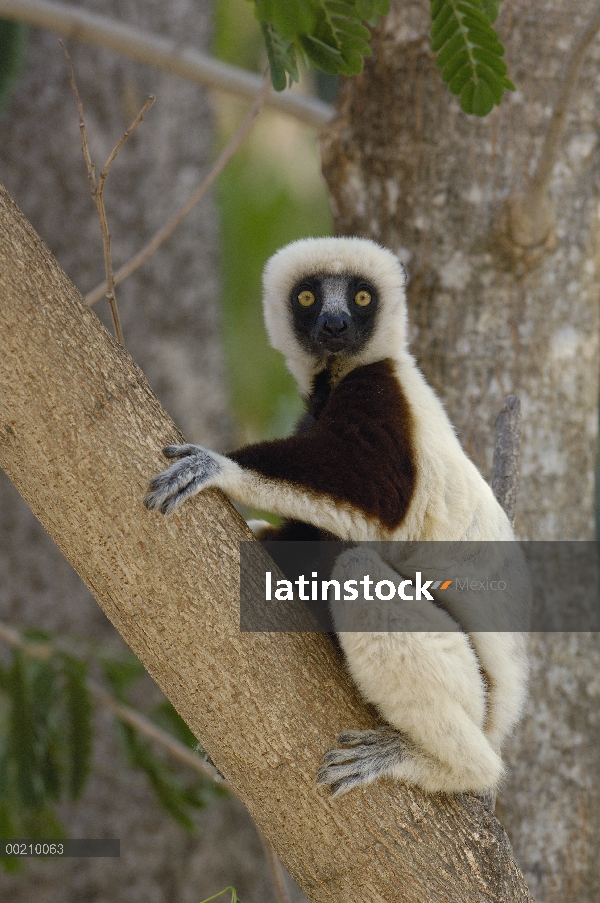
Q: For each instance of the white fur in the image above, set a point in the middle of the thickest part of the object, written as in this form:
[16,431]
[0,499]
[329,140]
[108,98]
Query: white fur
[333,257]
[427,685]
[450,719]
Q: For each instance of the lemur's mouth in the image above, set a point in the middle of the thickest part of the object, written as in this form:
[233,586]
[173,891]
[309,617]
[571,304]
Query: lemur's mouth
[334,345]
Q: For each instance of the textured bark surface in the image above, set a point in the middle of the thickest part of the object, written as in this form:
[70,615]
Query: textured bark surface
[170,316]
[79,435]
[406,167]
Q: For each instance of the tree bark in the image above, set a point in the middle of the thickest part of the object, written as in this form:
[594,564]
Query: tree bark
[501,303]
[80,433]
[171,318]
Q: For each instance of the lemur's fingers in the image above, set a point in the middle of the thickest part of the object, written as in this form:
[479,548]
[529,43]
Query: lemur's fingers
[179,451]
[186,477]
[372,754]
[343,777]
[355,737]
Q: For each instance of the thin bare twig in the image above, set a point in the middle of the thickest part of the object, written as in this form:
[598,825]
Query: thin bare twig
[276,870]
[166,54]
[507,449]
[167,230]
[122,141]
[98,192]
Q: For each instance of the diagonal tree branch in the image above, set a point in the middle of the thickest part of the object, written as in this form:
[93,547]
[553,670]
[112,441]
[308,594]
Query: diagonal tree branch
[162,53]
[80,432]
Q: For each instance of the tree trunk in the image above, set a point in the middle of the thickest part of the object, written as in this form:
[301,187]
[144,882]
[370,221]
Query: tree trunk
[170,315]
[80,433]
[500,303]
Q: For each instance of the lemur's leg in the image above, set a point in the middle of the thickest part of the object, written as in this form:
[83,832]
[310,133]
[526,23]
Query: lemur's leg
[427,685]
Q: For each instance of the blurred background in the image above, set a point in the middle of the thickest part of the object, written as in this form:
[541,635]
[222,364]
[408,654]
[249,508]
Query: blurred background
[271,193]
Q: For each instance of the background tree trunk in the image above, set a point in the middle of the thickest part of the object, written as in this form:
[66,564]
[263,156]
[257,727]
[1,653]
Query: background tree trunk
[170,315]
[79,435]
[406,167]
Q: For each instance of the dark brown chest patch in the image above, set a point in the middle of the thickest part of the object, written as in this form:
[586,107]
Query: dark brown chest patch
[359,451]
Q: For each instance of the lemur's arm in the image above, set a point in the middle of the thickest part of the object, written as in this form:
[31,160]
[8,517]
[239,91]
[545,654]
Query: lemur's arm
[314,477]
[199,468]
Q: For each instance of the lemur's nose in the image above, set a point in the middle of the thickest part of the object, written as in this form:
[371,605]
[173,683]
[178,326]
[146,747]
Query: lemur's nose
[334,326]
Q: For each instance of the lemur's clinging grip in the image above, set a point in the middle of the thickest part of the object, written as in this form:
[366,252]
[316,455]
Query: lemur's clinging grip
[376,459]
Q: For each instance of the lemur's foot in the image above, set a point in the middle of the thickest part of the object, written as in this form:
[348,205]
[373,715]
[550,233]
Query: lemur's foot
[369,754]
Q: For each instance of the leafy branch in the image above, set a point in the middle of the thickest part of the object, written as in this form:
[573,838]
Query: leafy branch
[469,52]
[46,737]
[332,35]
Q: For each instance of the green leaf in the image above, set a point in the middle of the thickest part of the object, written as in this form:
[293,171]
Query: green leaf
[454,45]
[8,831]
[169,794]
[347,28]
[23,734]
[4,678]
[165,715]
[491,60]
[276,66]
[5,782]
[42,823]
[490,8]
[480,101]
[10,864]
[472,15]
[121,673]
[79,713]
[46,714]
[353,61]
[330,34]
[288,19]
[448,32]
[469,53]
[457,62]
[460,80]
[441,20]
[489,78]
[327,58]
[368,9]
[13,39]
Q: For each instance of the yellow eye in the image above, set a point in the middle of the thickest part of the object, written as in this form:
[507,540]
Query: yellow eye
[306,298]
[362,298]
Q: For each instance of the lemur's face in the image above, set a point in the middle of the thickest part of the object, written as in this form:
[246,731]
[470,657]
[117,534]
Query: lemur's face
[333,314]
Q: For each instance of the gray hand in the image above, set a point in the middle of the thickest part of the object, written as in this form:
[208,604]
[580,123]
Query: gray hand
[195,470]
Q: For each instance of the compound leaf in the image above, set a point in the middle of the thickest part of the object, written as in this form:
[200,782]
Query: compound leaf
[469,53]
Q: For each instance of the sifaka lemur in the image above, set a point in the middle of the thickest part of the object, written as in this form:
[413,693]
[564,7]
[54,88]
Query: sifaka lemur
[377,460]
